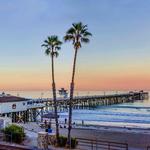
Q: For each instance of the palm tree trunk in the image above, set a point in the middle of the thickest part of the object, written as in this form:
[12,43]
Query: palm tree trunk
[71,98]
[55,103]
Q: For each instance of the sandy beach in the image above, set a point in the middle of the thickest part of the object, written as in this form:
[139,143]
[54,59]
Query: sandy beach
[137,139]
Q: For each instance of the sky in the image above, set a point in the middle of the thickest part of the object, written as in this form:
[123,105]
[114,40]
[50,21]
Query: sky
[117,57]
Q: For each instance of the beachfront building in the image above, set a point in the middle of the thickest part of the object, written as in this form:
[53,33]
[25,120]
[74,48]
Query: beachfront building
[20,109]
[63,93]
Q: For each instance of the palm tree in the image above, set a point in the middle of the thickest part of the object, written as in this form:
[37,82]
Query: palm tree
[52,45]
[77,34]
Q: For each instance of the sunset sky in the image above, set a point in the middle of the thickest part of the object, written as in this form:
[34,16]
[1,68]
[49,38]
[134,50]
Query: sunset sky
[117,57]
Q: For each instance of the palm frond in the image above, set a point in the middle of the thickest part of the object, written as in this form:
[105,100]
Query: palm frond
[52,44]
[77,26]
[57,48]
[85,40]
[46,41]
[55,54]
[85,34]
[44,45]
[71,31]
[69,37]
[58,43]
[78,33]
[50,39]
[47,51]
[85,26]
[74,25]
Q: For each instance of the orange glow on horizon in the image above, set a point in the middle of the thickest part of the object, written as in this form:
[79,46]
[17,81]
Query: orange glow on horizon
[83,81]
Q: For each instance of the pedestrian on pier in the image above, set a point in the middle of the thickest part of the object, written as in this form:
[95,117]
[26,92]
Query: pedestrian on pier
[65,120]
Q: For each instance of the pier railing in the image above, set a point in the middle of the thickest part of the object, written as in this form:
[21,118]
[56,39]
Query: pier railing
[84,144]
[96,100]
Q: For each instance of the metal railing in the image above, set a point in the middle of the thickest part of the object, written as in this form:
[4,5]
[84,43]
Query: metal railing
[6,143]
[4,146]
[85,144]
[7,137]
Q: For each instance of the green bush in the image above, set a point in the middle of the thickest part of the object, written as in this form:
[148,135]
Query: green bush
[14,133]
[74,142]
[63,142]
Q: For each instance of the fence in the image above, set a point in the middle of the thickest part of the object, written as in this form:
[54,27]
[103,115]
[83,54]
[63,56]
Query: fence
[7,144]
[86,144]
[4,146]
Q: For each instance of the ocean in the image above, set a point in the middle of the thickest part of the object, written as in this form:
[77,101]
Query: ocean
[135,114]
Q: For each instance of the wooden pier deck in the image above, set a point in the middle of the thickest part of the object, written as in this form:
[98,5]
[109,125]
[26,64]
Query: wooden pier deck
[97,100]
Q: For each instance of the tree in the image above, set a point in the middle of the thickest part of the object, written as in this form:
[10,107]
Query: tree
[77,34]
[14,133]
[52,45]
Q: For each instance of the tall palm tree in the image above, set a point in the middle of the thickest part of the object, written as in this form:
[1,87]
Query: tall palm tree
[52,44]
[77,34]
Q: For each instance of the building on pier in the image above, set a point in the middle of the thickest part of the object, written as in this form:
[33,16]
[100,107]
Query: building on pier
[62,92]
[20,109]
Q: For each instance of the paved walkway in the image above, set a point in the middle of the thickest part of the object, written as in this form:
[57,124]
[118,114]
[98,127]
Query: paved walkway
[137,140]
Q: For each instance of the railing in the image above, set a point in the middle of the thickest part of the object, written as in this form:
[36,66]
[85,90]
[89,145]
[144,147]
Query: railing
[85,144]
[4,146]
[6,143]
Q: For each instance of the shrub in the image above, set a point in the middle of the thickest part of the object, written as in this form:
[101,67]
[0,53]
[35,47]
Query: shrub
[63,142]
[14,133]
[74,142]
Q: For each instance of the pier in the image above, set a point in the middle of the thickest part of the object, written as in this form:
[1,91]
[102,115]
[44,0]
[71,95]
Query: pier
[30,110]
[90,102]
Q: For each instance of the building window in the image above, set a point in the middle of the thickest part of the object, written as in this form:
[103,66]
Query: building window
[14,106]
